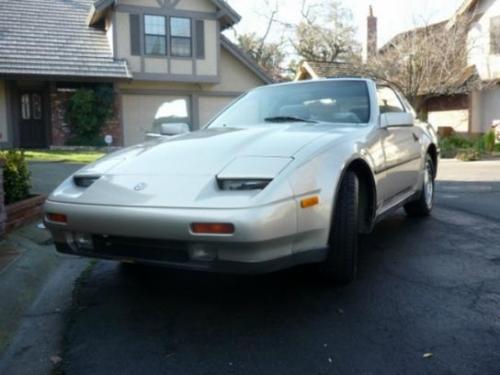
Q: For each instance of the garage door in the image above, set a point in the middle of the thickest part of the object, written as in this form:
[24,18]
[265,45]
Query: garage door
[210,106]
[140,111]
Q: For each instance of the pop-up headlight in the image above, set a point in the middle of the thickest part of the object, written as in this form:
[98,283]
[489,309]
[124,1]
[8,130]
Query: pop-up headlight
[85,181]
[243,184]
[251,172]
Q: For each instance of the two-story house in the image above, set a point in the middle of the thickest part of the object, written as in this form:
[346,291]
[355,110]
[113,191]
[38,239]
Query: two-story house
[477,111]
[151,51]
[468,109]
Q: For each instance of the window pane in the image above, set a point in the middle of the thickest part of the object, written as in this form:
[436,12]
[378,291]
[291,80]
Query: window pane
[181,47]
[180,27]
[155,45]
[25,107]
[155,25]
[388,100]
[37,107]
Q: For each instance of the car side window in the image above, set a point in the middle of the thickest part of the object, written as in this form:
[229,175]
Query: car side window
[388,100]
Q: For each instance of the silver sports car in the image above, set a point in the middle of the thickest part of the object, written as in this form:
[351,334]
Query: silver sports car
[288,174]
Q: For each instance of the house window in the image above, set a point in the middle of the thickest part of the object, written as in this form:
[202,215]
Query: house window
[180,37]
[495,35]
[155,35]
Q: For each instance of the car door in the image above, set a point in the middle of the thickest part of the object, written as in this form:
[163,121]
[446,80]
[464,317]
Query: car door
[401,147]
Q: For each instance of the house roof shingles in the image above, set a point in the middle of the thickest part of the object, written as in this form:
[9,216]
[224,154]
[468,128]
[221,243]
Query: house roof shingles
[51,38]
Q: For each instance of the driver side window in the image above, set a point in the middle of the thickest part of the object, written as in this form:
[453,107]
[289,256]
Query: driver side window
[388,100]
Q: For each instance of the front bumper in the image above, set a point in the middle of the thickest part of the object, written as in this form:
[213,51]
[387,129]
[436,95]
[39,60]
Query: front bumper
[263,240]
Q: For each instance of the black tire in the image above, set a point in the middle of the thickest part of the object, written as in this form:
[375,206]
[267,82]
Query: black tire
[423,205]
[342,261]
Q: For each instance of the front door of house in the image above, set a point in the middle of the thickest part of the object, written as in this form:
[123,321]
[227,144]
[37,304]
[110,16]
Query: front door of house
[32,130]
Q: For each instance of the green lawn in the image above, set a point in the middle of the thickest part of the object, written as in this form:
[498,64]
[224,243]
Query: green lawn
[63,156]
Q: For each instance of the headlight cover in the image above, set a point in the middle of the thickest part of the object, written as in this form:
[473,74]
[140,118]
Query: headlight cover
[242,184]
[84,181]
[247,173]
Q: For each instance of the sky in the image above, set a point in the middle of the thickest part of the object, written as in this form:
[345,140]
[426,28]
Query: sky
[394,16]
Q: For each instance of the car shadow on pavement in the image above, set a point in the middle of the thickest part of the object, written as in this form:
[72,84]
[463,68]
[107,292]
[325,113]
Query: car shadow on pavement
[414,295]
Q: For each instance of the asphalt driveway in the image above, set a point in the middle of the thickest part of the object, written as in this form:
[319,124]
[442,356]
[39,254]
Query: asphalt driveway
[427,301]
[45,176]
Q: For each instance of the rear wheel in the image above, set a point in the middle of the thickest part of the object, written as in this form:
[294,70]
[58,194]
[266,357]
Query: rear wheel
[423,205]
[341,263]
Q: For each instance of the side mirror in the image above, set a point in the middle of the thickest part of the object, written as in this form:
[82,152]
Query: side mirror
[393,119]
[174,129]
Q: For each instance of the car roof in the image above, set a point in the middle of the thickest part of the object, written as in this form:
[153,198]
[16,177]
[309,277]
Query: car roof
[311,81]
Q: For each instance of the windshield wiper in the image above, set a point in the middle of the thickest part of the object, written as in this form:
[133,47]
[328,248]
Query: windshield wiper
[288,119]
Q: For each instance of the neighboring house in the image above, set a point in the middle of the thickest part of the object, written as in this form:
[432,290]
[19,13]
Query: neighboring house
[151,51]
[465,111]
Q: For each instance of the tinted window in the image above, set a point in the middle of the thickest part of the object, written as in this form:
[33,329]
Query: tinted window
[335,102]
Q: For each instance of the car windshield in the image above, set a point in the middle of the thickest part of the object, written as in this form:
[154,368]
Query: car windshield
[333,102]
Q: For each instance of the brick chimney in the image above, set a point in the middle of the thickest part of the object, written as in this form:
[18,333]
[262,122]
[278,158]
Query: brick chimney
[371,39]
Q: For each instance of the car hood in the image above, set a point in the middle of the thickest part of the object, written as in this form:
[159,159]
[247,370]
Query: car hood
[180,171]
[205,151]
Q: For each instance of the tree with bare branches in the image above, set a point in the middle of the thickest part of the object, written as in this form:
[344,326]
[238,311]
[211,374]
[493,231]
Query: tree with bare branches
[425,62]
[326,32]
[269,55]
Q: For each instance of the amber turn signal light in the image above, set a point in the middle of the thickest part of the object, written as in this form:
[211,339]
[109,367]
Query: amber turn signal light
[212,228]
[309,202]
[57,218]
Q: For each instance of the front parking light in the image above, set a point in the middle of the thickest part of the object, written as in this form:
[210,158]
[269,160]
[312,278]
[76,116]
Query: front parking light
[212,228]
[57,218]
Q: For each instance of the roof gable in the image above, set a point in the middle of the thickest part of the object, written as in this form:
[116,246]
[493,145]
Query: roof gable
[225,13]
[239,54]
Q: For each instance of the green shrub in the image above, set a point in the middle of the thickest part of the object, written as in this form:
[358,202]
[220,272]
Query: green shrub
[489,141]
[468,155]
[16,176]
[87,112]
[451,146]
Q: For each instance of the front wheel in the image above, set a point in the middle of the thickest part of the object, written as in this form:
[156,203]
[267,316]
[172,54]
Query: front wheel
[341,263]
[423,205]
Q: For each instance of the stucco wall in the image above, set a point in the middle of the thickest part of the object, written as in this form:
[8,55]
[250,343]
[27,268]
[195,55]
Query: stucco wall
[208,66]
[234,75]
[196,5]
[4,136]
[488,65]
[486,109]
[123,46]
